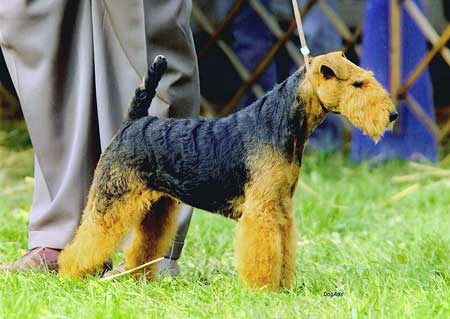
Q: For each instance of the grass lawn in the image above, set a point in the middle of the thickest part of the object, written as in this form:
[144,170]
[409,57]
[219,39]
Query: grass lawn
[388,258]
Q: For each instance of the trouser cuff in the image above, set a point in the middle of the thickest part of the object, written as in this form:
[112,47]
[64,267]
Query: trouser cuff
[174,252]
[184,220]
[49,239]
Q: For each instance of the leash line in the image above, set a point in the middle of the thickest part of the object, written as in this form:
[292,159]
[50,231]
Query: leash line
[304,48]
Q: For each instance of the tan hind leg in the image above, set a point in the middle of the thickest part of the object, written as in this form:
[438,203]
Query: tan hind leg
[153,236]
[105,222]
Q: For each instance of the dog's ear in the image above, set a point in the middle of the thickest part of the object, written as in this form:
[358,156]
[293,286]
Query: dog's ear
[334,65]
[327,72]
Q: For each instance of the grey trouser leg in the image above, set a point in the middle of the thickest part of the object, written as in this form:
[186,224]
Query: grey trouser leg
[48,50]
[75,65]
[166,23]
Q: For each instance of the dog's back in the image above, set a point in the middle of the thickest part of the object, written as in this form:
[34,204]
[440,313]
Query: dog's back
[197,161]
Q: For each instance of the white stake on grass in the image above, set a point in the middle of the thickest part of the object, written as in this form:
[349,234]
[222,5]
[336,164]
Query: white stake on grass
[132,269]
[405,192]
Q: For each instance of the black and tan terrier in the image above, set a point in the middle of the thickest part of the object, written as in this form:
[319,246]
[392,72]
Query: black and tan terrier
[244,166]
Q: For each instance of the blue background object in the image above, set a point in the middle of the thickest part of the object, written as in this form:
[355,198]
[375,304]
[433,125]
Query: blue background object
[252,40]
[414,140]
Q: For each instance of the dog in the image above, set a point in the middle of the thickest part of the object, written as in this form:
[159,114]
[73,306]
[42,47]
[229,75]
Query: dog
[244,166]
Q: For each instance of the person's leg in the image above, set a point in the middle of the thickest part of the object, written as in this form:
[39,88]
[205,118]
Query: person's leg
[66,58]
[119,60]
[168,33]
[48,51]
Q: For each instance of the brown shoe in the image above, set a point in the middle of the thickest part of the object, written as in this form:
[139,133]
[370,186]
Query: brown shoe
[168,267]
[38,259]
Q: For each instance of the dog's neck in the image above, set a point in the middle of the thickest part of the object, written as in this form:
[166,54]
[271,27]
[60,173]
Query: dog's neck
[314,111]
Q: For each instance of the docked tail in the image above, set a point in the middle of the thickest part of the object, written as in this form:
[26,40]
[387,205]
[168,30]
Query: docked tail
[146,91]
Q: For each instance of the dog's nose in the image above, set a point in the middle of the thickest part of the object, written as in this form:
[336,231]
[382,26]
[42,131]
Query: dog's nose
[393,116]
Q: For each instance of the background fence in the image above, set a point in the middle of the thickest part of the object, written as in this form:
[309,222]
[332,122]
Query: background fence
[285,39]
[213,42]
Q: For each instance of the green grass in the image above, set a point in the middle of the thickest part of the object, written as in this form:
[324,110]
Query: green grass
[390,259]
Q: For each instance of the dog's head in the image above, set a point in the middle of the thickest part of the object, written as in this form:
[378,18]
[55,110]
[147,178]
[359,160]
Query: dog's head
[342,87]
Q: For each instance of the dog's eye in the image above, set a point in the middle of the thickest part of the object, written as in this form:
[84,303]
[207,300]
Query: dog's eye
[357,84]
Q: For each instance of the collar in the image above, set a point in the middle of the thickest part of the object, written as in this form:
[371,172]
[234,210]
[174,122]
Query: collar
[327,110]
